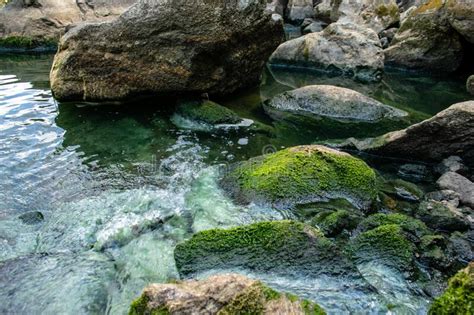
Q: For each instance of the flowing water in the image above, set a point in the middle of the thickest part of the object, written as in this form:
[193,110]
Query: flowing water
[112,188]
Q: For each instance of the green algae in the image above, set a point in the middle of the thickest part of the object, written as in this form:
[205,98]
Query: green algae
[408,224]
[386,244]
[27,43]
[302,175]
[459,296]
[140,307]
[333,223]
[207,112]
[278,246]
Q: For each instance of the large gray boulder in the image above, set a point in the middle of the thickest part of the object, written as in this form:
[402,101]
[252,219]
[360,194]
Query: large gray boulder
[43,20]
[449,132]
[332,102]
[167,47]
[426,41]
[343,48]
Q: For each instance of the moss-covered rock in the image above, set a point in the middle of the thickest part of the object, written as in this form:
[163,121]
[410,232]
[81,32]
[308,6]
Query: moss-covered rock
[409,225]
[386,244]
[403,190]
[222,294]
[302,175]
[284,247]
[459,296]
[207,112]
[441,216]
[333,223]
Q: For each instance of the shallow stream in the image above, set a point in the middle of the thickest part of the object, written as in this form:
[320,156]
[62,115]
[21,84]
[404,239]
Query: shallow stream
[114,188]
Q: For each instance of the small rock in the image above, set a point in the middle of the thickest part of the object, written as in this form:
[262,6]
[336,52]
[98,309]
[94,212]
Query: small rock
[442,216]
[414,172]
[448,196]
[451,164]
[388,33]
[314,27]
[470,84]
[384,42]
[459,184]
[403,190]
[32,218]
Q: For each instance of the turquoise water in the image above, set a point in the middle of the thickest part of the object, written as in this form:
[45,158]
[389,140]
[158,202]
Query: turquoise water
[119,185]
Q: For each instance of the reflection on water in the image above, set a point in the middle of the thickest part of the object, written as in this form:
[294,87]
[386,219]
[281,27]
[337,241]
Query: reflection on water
[119,186]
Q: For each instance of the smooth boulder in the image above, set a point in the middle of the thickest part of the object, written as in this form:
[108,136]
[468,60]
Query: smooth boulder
[341,48]
[332,102]
[449,132]
[220,294]
[217,47]
[302,175]
[426,41]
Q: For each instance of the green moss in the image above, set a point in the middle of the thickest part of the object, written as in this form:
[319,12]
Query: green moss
[304,174]
[250,301]
[140,307]
[403,190]
[390,10]
[386,244]
[408,224]
[23,42]
[311,308]
[333,223]
[207,112]
[279,246]
[459,296]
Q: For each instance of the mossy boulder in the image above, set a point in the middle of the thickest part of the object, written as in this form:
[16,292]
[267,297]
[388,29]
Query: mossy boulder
[207,112]
[386,244]
[414,227]
[333,223]
[459,296]
[220,294]
[302,175]
[282,247]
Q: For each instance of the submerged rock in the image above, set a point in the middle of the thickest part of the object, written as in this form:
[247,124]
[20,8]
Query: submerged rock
[39,24]
[332,102]
[302,175]
[426,41]
[459,296]
[280,247]
[33,217]
[342,48]
[207,112]
[217,47]
[449,132]
[220,294]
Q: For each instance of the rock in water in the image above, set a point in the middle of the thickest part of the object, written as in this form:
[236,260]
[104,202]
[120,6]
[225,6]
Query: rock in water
[332,102]
[426,41]
[220,294]
[302,175]
[470,85]
[343,48]
[167,47]
[449,132]
[459,297]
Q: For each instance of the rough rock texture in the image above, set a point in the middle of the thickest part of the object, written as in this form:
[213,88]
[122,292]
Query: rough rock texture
[220,294]
[441,216]
[470,84]
[217,47]
[298,10]
[461,17]
[460,184]
[41,21]
[375,14]
[449,132]
[426,41]
[341,48]
[459,296]
[286,248]
[302,175]
[332,102]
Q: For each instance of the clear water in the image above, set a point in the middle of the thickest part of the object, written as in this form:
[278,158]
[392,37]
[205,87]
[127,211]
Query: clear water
[120,185]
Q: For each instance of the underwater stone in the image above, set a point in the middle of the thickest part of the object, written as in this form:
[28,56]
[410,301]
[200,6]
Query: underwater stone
[302,175]
[207,112]
[33,217]
[220,294]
